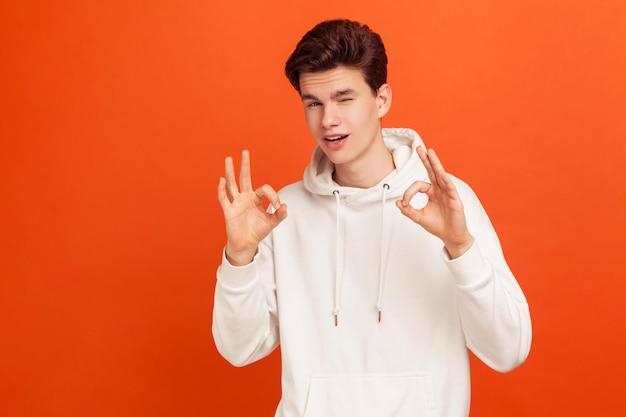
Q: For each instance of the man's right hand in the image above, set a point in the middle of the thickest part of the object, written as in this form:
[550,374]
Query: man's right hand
[247,221]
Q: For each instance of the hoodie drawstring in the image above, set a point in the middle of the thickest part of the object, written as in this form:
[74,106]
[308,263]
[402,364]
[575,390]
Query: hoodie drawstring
[383,251]
[339,249]
[338,261]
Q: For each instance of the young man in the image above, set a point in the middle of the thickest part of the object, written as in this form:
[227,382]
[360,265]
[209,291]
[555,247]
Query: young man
[386,269]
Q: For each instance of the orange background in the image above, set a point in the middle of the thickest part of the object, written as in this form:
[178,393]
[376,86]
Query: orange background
[115,118]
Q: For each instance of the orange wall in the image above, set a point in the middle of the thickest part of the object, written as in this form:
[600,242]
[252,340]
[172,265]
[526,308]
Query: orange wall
[115,117]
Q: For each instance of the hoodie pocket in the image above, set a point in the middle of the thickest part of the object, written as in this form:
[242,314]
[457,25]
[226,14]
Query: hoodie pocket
[371,395]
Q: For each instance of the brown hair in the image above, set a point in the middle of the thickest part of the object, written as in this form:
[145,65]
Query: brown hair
[339,42]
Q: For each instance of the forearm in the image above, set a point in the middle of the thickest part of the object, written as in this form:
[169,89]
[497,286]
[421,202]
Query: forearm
[244,314]
[493,309]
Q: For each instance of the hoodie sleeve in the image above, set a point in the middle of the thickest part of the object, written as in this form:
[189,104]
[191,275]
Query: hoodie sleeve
[493,308]
[245,323]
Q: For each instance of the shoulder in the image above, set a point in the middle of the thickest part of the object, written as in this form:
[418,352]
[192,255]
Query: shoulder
[295,193]
[301,200]
[293,190]
[463,188]
[467,195]
[477,217]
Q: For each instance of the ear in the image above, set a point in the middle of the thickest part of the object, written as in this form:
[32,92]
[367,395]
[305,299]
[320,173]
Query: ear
[383,99]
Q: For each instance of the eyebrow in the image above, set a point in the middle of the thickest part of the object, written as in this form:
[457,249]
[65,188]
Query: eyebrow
[342,93]
[333,96]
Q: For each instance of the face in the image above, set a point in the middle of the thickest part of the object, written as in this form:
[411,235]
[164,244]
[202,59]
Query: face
[343,115]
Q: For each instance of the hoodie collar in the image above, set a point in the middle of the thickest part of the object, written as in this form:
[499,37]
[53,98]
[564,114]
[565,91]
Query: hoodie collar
[401,142]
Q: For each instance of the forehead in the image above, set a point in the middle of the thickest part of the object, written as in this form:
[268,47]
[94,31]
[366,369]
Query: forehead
[327,82]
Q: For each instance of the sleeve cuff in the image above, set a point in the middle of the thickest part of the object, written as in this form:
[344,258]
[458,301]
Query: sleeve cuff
[469,269]
[231,276]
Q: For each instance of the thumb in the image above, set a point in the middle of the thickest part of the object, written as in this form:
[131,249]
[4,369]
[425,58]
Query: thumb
[279,215]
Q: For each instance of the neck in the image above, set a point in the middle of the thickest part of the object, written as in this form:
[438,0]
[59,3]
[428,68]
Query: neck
[365,174]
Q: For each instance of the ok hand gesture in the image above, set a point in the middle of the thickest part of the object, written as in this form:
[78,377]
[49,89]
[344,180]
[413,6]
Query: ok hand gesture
[247,221]
[443,215]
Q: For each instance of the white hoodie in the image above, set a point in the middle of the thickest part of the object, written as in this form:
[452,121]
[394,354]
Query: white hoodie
[373,319]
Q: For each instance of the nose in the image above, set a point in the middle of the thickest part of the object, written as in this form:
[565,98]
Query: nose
[330,117]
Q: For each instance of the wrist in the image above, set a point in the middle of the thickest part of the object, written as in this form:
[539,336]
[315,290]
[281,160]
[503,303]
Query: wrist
[239,257]
[456,250]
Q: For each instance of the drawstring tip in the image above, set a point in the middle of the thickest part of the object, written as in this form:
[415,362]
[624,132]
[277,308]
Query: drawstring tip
[336,319]
[380,314]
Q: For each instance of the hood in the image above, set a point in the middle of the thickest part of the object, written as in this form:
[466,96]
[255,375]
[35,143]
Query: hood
[401,142]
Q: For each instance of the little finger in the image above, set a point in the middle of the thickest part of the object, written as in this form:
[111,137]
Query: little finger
[221,194]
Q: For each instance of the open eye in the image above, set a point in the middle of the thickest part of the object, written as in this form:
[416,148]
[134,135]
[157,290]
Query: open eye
[313,104]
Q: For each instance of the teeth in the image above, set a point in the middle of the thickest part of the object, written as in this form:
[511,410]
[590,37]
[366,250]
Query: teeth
[334,138]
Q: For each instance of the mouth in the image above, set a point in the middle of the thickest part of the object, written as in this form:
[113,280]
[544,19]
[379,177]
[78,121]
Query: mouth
[335,138]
